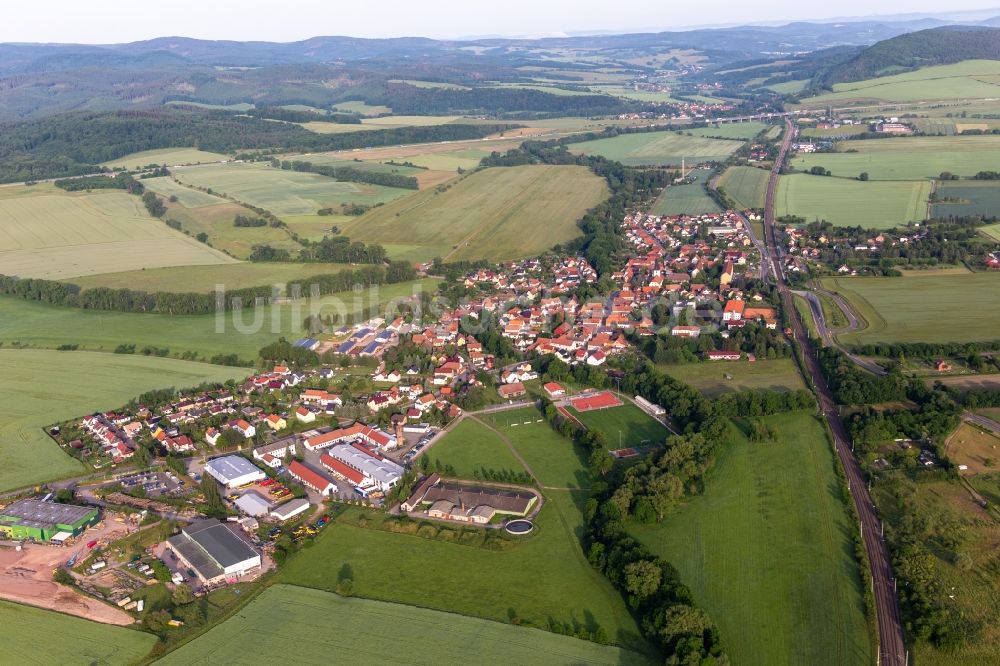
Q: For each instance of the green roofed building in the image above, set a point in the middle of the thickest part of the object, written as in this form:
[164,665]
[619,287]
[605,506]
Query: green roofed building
[45,521]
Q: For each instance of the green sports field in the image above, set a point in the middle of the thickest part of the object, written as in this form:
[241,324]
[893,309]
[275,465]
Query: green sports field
[36,636]
[766,551]
[470,446]
[908,158]
[307,626]
[42,387]
[658,148]
[922,308]
[711,377]
[624,426]
[970,79]
[167,157]
[496,214]
[690,199]
[746,185]
[552,458]
[974,197]
[205,278]
[242,333]
[847,203]
[48,233]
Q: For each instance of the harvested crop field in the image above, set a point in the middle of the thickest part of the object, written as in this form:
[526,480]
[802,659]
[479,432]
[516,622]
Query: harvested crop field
[845,203]
[658,148]
[167,157]
[976,448]
[205,278]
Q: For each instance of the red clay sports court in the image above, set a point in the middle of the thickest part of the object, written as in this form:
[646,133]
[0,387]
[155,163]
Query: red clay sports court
[602,400]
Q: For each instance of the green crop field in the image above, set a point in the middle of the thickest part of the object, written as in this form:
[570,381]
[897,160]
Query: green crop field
[624,426]
[338,160]
[711,377]
[217,222]
[284,192]
[496,214]
[362,108]
[242,333]
[744,131]
[205,278]
[971,79]
[690,199]
[186,196]
[766,551]
[42,387]
[307,626]
[746,185]
[922,308]
[974,197]
[36,636]
[992,230]
[48,233]
[544,578]
[553,459]
[843,130]
[471,446]
[846,203]
[658,148]
[909,158]
[167,157]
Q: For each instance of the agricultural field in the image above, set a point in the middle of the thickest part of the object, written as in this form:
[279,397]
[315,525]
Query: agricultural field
[743,131]
[284,192]
[969,197]
[771,533]
[429,84]
[625,426]
[216,221]
[909,158]
[845,203]
[243,333]
[48,233]
[362,108]
[688,199]
[42,387]
[186,196]
[205,278]
[789,87]
[381,122]
[836,132]
[992,230]
[970,79]
[471,446]
[552,458]
[528,581]
[922,308]
[33,635]
[715,378]
[496,214]
[746,185]
[296,622]
[658,148]
[975,447]
[166,157]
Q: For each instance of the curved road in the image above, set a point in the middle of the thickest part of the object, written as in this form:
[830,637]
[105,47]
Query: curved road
[891,646]
[827,335]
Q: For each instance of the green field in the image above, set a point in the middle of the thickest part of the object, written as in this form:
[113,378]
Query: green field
[36,636]
[922,308]
[40,325]
[744,131]
[789,87]
[205,278]
[909,158]
[710,377]
[992,230]
[843,130]
[971,79]
[429,84]
[471,446]
[847,203]
[975,197]
[624,426]
[339,161]
[284,192]
[186,196]
[496,214]
[42,387]
[689,199]
[746,185]
[217,222]
[167,157]
[307,626]
[552,458]
[48,233]
[544,578]
[766,551]
[362,108]
[658,148]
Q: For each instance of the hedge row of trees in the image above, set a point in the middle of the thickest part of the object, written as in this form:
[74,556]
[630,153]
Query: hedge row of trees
[351,174]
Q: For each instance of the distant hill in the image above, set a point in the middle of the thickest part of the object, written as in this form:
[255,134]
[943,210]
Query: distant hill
[939,46]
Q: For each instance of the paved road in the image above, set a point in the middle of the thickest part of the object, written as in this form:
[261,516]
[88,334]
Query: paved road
[891,646]
[982,422]
[828,335]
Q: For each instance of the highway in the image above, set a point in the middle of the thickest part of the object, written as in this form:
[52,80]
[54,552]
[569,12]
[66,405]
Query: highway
[891,646]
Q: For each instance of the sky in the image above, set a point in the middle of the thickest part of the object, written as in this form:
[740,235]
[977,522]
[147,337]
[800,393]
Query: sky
[113,21]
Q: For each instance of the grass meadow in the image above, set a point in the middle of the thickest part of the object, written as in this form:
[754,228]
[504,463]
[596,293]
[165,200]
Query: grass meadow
[847,203]
[766,550]
[922,308]
[744,131]
[36,636]
[716,378]
[974,197]
[48,233]
[992,230]
[42,387]
[970,79]
[658,148]
[471,446]
[690,199]
[908,158]
[624,426]
[186,196]
[496,214]
[746,185]
[167,157]
[217,222]
[205,278]
[306,626]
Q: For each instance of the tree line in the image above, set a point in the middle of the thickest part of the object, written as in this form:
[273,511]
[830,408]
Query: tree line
[350,174]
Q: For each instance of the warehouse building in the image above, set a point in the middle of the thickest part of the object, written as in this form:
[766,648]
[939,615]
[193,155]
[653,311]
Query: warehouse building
[253,504]
[234,471]
[45,521]
[289,510]
[216,552]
